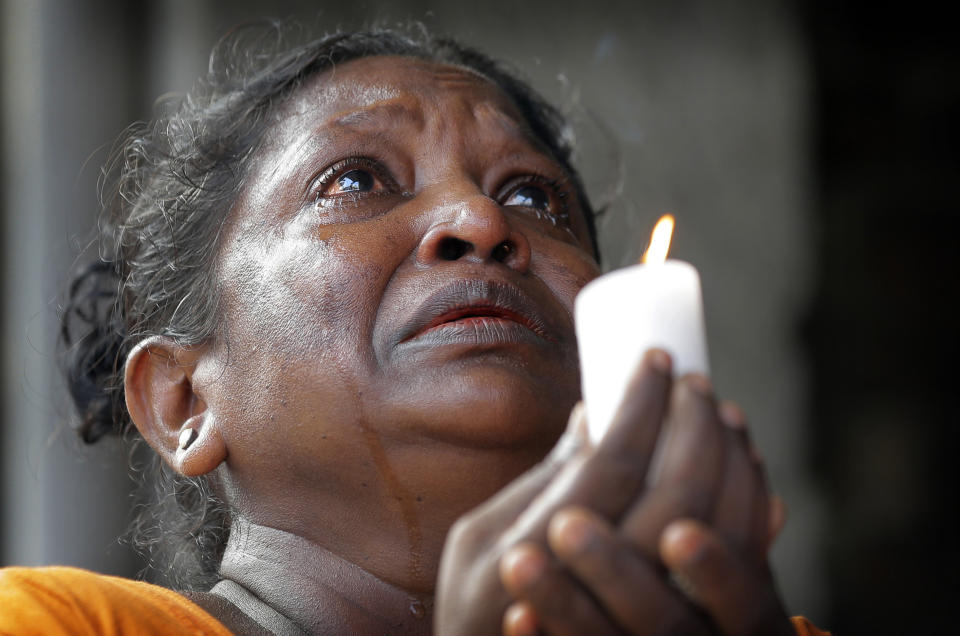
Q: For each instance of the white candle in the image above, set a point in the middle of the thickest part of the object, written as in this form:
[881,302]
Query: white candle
[621,315]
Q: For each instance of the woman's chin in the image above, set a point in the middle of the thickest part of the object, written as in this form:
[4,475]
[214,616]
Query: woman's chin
[487,406]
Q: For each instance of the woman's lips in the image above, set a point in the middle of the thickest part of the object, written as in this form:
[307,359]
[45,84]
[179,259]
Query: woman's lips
[479,316]
[476,312]
[477,330]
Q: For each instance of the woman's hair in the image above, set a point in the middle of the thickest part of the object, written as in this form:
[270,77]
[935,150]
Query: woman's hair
[166,192]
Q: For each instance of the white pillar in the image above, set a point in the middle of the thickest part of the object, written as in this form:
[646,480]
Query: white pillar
[65,87]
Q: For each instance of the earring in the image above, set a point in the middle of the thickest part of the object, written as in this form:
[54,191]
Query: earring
[187,436]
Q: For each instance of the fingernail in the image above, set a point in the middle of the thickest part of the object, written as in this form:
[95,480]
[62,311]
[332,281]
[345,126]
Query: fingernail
[660,361]
[522,566]
[571,532]
[701,384]
[520,620]
[574,437]
[577,424]
[732,415]
[682,542]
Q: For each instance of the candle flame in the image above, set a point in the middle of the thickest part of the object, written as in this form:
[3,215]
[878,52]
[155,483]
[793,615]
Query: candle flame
[659,240]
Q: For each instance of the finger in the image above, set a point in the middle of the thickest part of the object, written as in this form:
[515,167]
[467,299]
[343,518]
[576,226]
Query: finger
[753,540]
[741,492]
[631,590]
[609,478]
[733,516]
[636,426]
[561,606]
[759,541]
[520,619]
[739,597]
[690,470]
[575,437]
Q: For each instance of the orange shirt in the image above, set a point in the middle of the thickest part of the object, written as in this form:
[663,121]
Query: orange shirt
[803,627]
[59,601]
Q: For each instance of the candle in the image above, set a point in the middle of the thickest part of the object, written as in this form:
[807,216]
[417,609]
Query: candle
[622,314]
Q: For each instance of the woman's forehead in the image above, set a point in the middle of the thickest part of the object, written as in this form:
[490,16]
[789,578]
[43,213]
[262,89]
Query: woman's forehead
[386,90]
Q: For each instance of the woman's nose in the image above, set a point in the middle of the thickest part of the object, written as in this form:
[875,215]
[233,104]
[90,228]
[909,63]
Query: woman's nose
[475,229]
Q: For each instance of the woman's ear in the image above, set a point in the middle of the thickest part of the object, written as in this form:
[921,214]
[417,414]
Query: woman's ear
[167,409]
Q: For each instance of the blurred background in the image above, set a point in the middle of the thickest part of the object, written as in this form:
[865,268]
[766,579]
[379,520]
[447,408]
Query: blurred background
[803,147]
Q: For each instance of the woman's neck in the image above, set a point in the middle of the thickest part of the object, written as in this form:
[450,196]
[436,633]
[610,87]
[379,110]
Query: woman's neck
[315,588]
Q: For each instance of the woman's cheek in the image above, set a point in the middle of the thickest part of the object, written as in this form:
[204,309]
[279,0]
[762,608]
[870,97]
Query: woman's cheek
[566,272]
[296,294]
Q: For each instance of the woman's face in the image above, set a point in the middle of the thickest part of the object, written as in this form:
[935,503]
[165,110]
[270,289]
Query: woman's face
[398,281]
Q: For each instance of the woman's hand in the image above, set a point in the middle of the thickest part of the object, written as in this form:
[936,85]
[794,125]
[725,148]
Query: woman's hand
[571,500]
[608,479]
[707,521]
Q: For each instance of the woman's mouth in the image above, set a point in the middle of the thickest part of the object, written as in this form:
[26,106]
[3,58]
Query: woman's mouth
[483,317]
[476,312]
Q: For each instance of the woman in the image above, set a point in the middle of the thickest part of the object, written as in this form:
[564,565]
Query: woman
[340,285]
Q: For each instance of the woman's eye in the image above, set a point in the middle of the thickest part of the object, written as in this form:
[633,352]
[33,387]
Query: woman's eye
[353,181]
[353,189]
[529,196]
[543,199]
